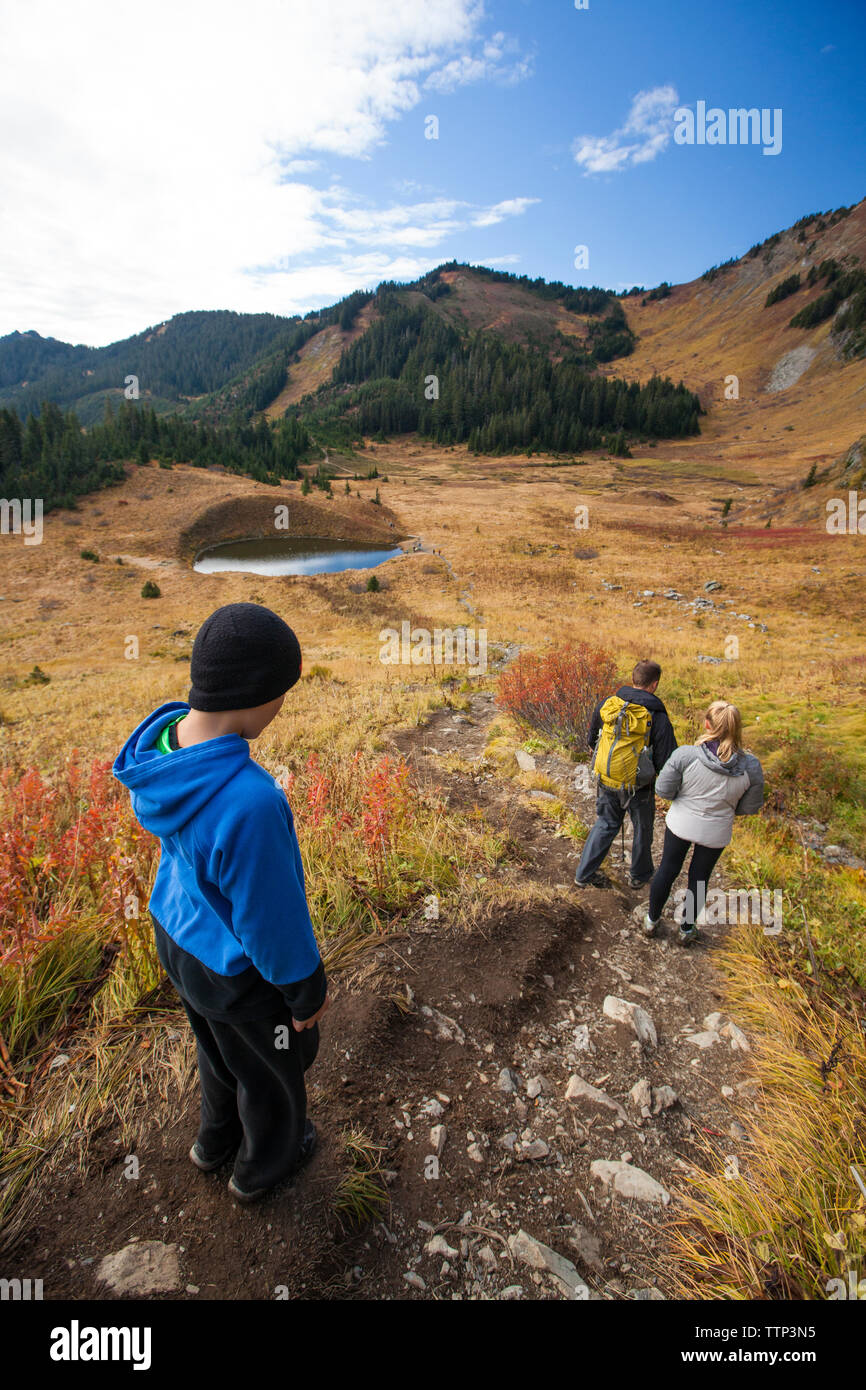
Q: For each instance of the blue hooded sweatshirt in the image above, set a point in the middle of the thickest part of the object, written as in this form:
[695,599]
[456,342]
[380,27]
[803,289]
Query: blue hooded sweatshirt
[232,925]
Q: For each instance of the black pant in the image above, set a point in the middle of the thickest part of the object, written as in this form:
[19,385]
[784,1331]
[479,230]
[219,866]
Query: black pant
[610,814]
[674,852]
[253,1093]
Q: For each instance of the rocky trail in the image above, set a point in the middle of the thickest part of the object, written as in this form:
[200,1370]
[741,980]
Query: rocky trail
[539,1088]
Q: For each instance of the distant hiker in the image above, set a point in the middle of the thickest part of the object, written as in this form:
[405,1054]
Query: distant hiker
[632,738]
[707,783]
[229,908]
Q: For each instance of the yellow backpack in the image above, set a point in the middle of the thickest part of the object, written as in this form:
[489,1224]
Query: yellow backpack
[622,756]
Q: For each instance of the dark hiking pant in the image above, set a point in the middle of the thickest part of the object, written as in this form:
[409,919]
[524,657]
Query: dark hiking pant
[703,861]
[610,814]
[253,1093]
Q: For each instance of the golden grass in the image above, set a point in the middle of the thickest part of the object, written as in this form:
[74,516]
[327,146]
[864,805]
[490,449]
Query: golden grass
[789,1217]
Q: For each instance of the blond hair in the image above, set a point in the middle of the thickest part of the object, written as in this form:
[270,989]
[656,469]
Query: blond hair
[726,726]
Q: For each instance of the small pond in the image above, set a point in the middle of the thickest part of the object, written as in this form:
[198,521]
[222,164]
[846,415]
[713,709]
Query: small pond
[293,555]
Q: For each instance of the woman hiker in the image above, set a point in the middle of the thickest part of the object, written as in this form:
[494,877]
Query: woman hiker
[707,783]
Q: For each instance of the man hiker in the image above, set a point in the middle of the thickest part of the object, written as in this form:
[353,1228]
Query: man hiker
[632,738]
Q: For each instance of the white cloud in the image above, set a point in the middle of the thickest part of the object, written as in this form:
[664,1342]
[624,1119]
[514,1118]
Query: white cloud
[499,60]
[647,130]
[159,159]
[511,207]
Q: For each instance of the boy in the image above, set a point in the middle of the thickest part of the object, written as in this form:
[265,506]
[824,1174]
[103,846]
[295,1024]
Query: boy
[228,905]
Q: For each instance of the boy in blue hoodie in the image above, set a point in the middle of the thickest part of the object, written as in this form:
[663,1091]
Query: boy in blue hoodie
[230,915]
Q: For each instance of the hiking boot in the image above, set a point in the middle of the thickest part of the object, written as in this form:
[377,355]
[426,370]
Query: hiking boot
[198,1156]
[638,882]
[688,935]
[307,1149]
[596,880]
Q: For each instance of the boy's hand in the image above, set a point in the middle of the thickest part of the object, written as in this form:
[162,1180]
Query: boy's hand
[301,1024]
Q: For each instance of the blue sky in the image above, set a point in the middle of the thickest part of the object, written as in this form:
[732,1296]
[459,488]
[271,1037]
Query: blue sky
[272,156]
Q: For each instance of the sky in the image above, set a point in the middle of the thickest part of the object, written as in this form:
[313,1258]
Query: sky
[273,156]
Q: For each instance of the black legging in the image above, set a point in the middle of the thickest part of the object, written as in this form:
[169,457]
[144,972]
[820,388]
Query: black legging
[674,853]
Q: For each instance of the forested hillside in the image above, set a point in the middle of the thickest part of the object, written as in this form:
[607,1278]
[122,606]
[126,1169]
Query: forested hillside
[50,457]
[413,371]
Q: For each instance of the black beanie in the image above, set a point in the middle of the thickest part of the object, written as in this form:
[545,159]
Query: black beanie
[243,655]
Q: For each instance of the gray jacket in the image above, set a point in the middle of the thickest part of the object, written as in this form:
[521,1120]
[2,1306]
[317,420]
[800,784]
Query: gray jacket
[706,793]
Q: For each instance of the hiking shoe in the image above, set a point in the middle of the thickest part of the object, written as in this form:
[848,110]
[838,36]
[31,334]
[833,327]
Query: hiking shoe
[638,882]
[650,926]
[688,935]
[307,1149]
[595,880]
[198,1156]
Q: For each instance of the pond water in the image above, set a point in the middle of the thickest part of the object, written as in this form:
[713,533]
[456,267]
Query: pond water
[292,555]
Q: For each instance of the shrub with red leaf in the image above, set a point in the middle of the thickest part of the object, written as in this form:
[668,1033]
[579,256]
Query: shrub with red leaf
[70,850]
[556,691]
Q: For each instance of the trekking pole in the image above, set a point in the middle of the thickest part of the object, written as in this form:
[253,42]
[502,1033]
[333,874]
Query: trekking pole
[622,839]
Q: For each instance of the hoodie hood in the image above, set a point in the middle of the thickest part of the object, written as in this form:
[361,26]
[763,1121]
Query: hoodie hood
[732,768]
[168,789]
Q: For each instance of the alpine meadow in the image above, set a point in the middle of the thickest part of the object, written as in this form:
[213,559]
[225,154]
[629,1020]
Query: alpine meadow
[433,697]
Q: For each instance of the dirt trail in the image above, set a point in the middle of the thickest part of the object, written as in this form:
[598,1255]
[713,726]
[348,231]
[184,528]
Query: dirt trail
[429,1033]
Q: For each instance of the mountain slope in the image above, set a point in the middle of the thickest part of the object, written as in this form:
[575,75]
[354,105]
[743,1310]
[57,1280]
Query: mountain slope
[798,395]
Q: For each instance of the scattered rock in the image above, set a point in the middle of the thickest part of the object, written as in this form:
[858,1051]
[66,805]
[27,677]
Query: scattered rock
[511,1292]
[581,1093]
[476,1153]
[508,1081]
[711,584]
[738,1040]
[439,1246]
[142,1267]
[647,1295]
[663,1098]
[536,1255]
[703,1040]
[713,1021]
[529,1150]
[623,1011]
[536,1086]
[446,1029]
[525,761]
[438,1135]
[640,1096]
[582,1040]
[629,1181]
[414,1280]
[588,1247]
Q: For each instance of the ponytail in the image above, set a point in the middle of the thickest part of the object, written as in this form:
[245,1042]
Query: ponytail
[725,726]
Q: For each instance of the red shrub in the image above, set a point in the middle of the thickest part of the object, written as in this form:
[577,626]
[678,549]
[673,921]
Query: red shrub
[556,692]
